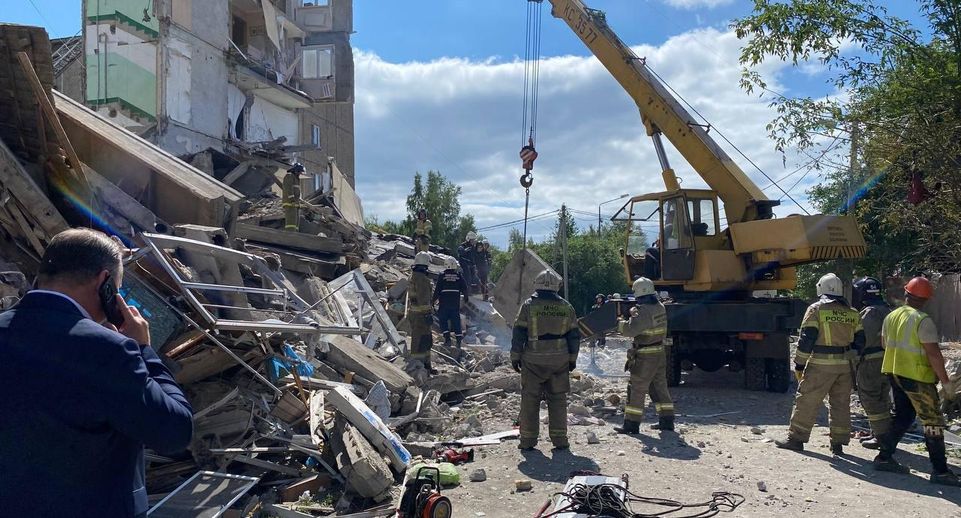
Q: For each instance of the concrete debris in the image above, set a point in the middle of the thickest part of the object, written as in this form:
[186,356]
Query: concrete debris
[522,485]
[478,475]
[287,336]
[592,438]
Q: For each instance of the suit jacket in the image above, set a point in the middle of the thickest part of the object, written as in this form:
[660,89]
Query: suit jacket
[78,403]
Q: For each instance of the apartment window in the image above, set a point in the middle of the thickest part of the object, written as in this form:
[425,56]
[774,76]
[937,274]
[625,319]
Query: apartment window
[315,135]
[318,63]
[314,3]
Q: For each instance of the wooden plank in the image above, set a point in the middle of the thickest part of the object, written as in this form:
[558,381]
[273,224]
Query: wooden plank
[294,240]
[16,179]
[51,114]
[25,226]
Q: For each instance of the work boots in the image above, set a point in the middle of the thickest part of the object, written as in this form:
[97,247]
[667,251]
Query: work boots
[837,449]
[664,423]
[629,427]
[946,478]
[871,443]
[789,444]
[884,461]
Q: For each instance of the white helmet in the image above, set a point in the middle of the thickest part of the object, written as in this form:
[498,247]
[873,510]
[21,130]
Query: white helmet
[548,281]
[830,284]
[421,259]
[472,236]
[452,263]
[643,286]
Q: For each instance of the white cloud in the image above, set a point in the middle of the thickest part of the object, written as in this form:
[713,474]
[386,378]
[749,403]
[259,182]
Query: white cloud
[463,118]
[695,4]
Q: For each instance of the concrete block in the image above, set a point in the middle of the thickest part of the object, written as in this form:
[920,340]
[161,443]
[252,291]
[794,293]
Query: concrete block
[516,284]
[361,465]
[360,415]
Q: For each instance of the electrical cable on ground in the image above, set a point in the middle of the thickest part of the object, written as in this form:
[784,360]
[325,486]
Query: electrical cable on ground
[609,500]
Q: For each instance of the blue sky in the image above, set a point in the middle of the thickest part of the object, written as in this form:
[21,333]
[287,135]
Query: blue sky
[439,86]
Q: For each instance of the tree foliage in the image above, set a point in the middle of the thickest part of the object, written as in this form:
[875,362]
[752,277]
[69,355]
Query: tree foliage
[899,101]
[593,264]
[441,199]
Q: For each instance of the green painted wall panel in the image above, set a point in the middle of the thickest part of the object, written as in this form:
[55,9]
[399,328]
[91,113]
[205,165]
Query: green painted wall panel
[128,11]
[125,81]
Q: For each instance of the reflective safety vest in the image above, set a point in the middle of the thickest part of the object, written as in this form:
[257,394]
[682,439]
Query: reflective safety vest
[836,324]
[903,354]
[423,228]
[548,322]
[648,328]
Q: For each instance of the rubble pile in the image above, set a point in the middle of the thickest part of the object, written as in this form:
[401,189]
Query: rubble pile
[288,343]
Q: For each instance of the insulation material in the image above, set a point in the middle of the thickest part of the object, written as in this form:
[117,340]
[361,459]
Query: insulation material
[269,121]
[270,20]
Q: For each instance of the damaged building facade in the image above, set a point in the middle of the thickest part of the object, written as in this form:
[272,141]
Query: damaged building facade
[239,88]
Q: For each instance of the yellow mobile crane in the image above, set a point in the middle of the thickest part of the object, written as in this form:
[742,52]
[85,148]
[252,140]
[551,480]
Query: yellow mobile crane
[710,272]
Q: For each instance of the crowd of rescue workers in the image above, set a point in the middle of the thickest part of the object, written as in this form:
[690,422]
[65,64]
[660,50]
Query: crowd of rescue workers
[891,355]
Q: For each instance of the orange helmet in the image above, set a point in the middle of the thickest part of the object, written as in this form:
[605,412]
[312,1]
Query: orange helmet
[920,288]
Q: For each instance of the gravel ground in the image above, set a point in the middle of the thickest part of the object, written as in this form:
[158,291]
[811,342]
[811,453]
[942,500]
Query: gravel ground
[732,452]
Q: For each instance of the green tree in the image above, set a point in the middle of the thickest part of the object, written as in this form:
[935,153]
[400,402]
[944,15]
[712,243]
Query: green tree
[441,199]
[901,105]
[593,260]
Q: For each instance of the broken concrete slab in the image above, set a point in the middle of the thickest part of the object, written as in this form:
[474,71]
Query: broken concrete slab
[367,422]
[350,355]
[516,284]
[168,186]
[364,469]
[294,240]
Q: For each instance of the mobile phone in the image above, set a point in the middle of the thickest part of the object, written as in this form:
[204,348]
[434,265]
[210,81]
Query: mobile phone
[108,300]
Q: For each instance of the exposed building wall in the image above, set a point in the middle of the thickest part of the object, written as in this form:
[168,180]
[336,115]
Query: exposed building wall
[194,75]
[336,123]
[120,60]
[328,28]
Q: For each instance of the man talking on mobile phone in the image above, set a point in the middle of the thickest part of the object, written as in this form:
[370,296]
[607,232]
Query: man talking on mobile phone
[80,397]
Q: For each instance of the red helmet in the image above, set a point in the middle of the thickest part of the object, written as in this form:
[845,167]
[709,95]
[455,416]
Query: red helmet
[920,288]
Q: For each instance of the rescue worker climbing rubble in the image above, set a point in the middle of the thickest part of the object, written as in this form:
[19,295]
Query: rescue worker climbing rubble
[448,292]
[914,364]
[422,230]
[466,253]
[874,391]
[544,351]
[646,360]
[831,334]
[419,308]
[290,190]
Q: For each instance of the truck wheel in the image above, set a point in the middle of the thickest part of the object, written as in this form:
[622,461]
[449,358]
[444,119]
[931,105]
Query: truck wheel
[778,375]
[673,367]
[754,374]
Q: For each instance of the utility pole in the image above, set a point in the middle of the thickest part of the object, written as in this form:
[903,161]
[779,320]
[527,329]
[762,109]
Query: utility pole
[846,266]
[563,236]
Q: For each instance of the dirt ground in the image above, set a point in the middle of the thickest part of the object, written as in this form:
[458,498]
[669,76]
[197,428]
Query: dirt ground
[709,452]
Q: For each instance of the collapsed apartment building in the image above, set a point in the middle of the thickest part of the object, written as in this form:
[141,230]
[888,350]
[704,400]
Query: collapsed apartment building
[289,344]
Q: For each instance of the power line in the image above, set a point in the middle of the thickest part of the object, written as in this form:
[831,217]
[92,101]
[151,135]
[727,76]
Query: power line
[35,8]
[517,221]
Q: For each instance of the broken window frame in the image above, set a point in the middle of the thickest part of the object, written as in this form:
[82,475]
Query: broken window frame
[369,296]
[250,482]
[157,244]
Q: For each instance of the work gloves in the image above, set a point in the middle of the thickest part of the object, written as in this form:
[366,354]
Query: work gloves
[516,365]
[950,390]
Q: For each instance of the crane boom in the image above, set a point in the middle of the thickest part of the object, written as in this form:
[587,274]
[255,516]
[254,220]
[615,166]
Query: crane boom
[661,112]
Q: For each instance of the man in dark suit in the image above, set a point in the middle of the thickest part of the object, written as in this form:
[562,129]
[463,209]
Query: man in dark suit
[80,397]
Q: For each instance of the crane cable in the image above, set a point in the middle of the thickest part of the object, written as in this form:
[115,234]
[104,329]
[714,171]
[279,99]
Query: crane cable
[532,59]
